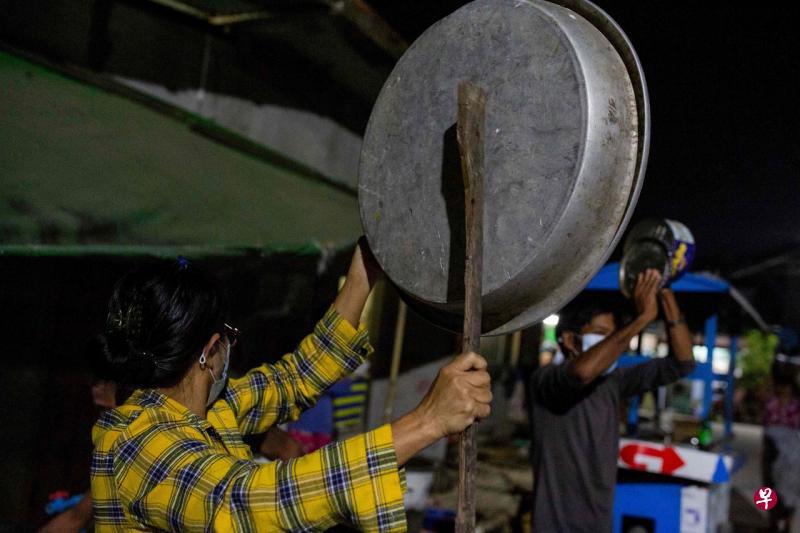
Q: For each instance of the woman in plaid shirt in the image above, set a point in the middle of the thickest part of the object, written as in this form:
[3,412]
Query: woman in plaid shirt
[172,456]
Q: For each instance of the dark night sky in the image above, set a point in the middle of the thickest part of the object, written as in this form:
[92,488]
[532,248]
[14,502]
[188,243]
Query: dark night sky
[723,90]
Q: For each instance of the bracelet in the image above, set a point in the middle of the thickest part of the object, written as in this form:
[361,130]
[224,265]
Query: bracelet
[678,322]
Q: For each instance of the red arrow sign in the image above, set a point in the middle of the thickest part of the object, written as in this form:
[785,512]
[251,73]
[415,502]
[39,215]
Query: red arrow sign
[670,460]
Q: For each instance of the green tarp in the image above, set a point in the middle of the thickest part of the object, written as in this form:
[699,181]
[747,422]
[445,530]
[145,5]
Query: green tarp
[86,170]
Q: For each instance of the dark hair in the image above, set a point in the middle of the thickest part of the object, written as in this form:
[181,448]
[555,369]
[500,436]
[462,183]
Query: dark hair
[159,318]
[576,319]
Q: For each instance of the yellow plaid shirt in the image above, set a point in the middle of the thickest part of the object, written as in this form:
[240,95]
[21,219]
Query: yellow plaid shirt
[157,466]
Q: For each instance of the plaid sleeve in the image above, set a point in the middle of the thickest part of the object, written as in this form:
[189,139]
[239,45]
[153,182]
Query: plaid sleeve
[275,393]
[166,480]
[355,482]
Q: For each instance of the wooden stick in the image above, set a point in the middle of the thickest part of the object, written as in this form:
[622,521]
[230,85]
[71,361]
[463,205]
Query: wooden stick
[397,352]
[516,347]
[470,134]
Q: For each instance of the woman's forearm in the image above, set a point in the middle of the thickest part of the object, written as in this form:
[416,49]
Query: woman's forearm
[360,279]
[411,435]
[351,300]
[460,395]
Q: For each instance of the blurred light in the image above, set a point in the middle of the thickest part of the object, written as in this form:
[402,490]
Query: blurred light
[634,345]
[552,320]
[649,344]
[700,353]
[662,350]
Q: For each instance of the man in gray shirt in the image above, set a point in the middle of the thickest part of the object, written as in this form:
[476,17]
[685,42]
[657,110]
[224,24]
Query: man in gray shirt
[575,410]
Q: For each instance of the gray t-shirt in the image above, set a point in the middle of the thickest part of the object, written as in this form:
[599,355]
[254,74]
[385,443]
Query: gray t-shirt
[576,441]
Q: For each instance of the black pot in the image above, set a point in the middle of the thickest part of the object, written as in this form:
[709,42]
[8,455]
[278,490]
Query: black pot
[661,244]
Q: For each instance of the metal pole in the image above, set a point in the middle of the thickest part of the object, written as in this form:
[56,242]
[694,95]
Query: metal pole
[729,388]
[708,372]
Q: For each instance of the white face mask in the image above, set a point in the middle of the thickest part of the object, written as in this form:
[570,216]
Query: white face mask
[219,384]
[591,339]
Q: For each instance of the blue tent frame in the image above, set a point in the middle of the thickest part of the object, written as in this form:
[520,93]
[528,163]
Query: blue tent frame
[608,280]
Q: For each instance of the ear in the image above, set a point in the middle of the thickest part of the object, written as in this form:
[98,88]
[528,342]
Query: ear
[208,349]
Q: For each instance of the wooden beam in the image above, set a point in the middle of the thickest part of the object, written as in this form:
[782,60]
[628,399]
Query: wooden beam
[214,19]
[371,24]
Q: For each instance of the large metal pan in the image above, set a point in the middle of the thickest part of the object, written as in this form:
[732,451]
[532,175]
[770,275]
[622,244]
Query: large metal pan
[567,125]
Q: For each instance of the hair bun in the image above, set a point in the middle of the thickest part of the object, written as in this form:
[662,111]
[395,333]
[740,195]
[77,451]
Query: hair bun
[124,361]
[159,318]
[128,319]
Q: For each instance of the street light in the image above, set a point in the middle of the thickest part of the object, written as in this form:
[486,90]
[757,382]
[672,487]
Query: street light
[552,320]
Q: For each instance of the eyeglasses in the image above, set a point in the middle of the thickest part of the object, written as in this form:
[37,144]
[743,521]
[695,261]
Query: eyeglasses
[232,334]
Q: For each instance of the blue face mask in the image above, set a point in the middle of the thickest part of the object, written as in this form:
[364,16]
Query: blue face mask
[219,384]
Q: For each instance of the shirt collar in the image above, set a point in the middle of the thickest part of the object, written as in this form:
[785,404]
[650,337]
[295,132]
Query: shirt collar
[151,398]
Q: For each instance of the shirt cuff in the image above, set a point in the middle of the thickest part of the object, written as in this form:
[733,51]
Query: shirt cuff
[350,346]
[378,497]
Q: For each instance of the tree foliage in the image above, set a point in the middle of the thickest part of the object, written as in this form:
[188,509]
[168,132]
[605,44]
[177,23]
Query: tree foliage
[756,357]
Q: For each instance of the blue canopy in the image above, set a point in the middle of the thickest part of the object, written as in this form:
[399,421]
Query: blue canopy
[608,280]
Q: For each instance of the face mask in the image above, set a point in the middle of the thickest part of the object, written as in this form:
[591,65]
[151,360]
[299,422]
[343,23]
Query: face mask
[591,339]
[218,384]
